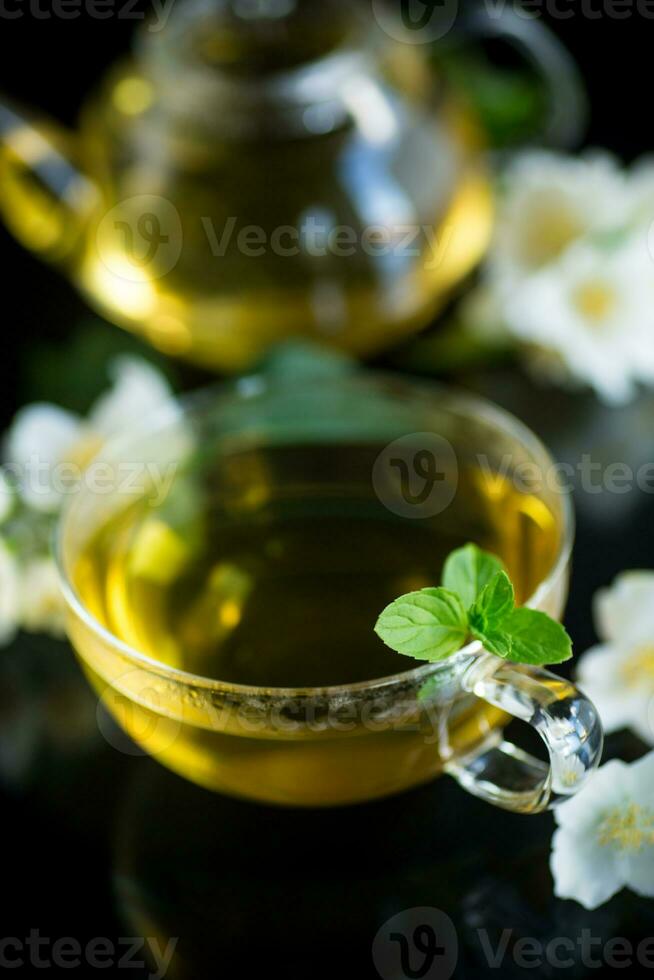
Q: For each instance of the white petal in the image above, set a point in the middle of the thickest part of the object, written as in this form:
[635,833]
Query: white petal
[598,674]
[640,780]
[642,720]
[620,609]
[42,607]
[9,594]
[550,201]
[585,310]
[641,186]
[594,308]
[138,389]
[638,864]
[582,870]
[592,858]
[607,788]
[41,437]
[641,872]
[601,661]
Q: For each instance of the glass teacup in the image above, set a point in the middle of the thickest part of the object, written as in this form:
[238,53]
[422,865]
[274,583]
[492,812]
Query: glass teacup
[224,577]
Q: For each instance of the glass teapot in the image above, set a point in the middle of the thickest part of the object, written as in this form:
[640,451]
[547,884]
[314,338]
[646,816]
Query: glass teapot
[260,169]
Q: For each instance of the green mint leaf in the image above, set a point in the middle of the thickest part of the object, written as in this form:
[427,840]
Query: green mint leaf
[494,603]
[494,641]
[535,638]
[468,570]
[429,625]
[489,612]
[477,599]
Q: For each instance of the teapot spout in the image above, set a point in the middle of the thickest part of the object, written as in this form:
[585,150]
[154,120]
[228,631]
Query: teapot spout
[44,198]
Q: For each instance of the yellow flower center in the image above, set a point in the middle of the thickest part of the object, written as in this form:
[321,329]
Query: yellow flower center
[549,229]
[627,830]
[594,300]
[638,670]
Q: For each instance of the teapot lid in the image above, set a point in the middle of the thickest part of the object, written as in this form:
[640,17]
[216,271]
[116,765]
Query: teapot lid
[252,37]
[240,65]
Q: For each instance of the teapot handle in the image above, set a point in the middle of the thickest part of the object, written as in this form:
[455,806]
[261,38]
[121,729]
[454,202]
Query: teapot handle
[44,198]
[567,115]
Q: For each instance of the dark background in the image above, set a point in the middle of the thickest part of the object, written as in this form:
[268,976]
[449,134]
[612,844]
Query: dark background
[53,64]
[82,826]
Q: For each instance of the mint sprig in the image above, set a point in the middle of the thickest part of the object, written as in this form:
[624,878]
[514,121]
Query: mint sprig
[429,625]
[475,601]
[468,570]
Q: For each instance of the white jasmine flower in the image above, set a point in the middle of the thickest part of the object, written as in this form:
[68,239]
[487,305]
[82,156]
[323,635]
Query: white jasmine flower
[627,607]
[49,447]
[618,674]
[570,272]
[9,594]
[594,310]
[40,439]
[47,450]
[42,603]
[549,202]
[605,836]
[137,389]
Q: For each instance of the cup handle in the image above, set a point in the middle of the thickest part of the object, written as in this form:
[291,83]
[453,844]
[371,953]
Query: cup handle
[567,114]
[501,773]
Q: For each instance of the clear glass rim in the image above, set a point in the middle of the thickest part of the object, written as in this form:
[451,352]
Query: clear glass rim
[458,402]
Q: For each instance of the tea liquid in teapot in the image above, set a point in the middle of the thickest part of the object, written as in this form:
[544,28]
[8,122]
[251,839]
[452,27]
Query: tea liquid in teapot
[254,172]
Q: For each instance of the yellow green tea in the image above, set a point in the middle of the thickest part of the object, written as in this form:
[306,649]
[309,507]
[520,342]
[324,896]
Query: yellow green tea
[274,578]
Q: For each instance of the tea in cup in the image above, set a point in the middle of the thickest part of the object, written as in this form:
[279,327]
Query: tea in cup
[224,607]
